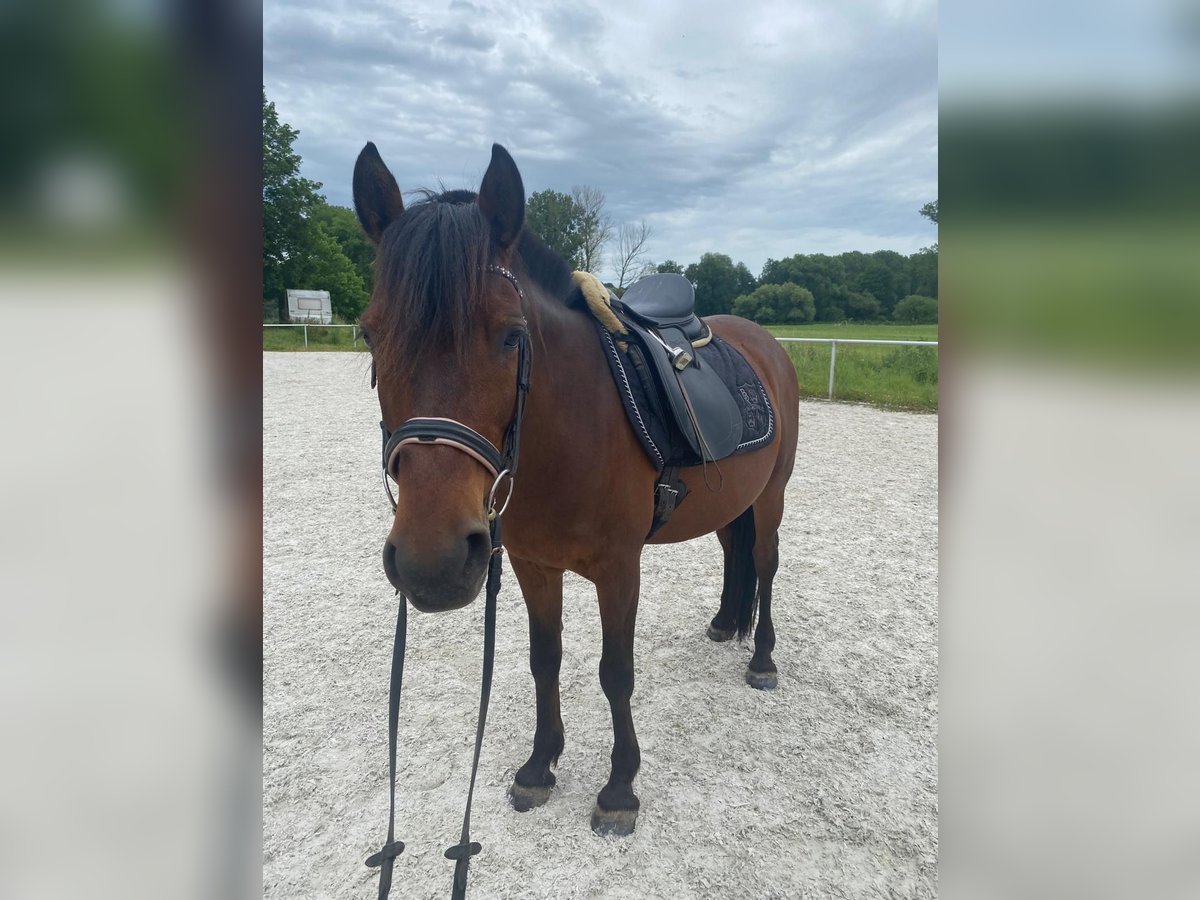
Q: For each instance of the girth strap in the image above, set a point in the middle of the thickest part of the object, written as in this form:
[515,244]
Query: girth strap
[669,492]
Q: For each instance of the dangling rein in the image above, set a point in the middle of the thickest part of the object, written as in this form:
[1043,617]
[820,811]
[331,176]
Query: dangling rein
[501,465]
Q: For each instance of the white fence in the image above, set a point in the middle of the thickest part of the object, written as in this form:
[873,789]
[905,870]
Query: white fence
[833,342]
[836,341]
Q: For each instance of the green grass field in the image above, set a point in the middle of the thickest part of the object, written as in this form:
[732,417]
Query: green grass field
[319,338]
[896,377]
[847,331]
[1110,292]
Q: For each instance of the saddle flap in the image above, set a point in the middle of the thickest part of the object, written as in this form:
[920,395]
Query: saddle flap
[696,393]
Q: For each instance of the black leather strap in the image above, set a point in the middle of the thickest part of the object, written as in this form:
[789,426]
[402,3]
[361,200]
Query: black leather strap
[432,431]
[669,492]
[512,439]
[462,852]
[386,857]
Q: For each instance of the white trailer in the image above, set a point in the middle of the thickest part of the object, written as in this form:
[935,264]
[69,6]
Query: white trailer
[309,306]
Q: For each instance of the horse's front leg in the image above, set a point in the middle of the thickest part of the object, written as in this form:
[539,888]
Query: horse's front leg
[617,588]
[542,588]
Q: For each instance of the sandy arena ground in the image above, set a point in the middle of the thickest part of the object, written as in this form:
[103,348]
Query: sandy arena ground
[826,787]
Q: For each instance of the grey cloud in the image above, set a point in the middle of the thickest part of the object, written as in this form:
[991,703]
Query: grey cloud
[572,22]
[723,145]
[463,36]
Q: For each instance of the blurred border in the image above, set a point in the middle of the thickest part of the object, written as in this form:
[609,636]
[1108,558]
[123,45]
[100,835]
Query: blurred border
[1071,420]
[130,546]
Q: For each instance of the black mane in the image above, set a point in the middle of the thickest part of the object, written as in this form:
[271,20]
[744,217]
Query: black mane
[429,277]
[548,270]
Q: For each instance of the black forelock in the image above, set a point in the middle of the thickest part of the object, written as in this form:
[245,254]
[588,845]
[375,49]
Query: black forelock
[429,277]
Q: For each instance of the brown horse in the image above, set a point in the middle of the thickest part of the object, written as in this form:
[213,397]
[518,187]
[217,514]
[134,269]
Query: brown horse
[460,286]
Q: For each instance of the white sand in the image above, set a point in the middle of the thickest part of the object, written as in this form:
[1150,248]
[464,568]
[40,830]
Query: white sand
[826,787]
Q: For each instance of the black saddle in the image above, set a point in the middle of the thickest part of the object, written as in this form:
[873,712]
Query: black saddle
[665,301]
[690,397]
[659,312]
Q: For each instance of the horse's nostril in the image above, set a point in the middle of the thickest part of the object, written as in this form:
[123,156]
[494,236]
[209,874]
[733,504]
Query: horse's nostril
[389,564]
[442,581]
[479,547]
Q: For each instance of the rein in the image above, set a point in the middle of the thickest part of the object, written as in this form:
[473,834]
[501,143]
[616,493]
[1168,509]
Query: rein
[501,464]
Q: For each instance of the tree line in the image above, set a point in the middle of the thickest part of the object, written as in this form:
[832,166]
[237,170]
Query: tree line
[309,243]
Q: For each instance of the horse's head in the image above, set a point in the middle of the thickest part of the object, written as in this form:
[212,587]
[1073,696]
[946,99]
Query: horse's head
[446,329]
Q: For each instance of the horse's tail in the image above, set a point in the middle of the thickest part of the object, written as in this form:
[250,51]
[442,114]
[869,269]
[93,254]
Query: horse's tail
[743,578]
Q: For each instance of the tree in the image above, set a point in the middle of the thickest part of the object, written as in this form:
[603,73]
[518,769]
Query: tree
[770,304]
[327,268]
[862,305]
[824,275]
[595,228]
[341,224]
[717,282]
[923,272]
[629,262]
[669,267]
[916,310]
[887,278]
[930,211]
[306,242]
[558,221]
[288,203]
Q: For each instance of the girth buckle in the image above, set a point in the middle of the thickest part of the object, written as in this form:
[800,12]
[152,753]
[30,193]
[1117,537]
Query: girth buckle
[665,498]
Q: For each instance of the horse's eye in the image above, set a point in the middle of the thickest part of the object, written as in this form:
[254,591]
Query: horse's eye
[513,339]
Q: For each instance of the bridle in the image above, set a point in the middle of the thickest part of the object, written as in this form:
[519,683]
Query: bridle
[501,464]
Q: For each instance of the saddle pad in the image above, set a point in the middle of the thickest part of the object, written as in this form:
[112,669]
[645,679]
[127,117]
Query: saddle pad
[656,432]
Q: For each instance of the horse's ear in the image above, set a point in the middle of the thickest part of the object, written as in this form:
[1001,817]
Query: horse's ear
[502,197]
[377,197]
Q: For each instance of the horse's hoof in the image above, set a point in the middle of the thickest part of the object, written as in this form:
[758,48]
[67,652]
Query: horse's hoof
[720,635]
[525,798]
[762,681]
[616,822]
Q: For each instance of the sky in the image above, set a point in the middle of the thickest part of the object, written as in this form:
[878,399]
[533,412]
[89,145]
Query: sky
[755,129]
[1030,51]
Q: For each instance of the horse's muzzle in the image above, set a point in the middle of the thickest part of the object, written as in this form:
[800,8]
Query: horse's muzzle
[438,583]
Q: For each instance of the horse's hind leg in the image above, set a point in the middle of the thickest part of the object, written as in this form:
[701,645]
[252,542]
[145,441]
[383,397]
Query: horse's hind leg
[542,589]
[724,624]
[761,673]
